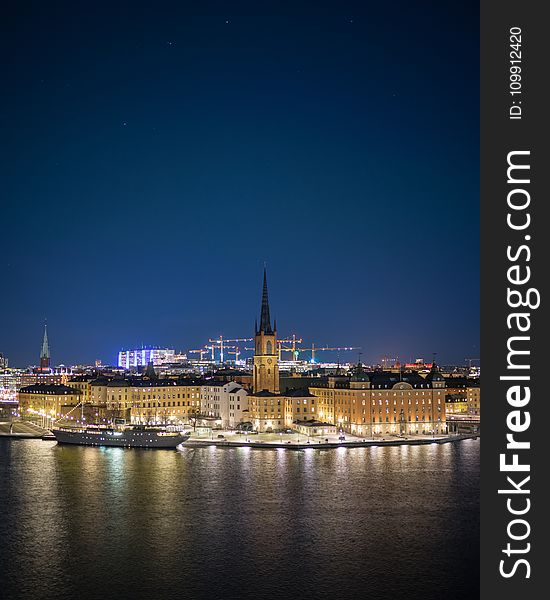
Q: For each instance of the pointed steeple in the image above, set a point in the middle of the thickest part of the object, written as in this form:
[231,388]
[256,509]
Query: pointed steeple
[45,352]
[45,346]
[265,320]
[265,375]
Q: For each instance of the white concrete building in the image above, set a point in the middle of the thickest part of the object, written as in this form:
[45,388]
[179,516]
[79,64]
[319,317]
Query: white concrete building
[227,401]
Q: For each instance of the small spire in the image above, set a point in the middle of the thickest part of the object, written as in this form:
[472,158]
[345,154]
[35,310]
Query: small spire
[45,352]
[45,346]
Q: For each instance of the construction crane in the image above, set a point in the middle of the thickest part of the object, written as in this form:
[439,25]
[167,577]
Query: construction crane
[224,344]
[200,352]
[313,350]
[236,352]
[293,341]
[290,344]
[296,351]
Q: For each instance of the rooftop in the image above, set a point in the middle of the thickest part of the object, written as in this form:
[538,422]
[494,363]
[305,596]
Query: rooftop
[47,388]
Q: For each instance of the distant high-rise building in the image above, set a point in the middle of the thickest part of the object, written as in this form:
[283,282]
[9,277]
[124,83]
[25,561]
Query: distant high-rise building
[45,353]
[3,361]
[142,357]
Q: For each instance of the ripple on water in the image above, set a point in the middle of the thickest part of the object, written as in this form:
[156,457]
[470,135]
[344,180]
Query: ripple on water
[385,522]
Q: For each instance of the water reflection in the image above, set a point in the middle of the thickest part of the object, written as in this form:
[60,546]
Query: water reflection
[213,523]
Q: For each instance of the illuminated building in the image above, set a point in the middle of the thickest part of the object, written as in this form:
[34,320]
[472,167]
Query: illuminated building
[315,428]
[462,396]
[269,410]
[47,378]
[10,382]
[228,401]
[82,383]
[266,404]
[148,401]
[128,359]
[383,402]
[3,362]
[364,404]
[299,405]
[266,369]
[47,401]
[419,365]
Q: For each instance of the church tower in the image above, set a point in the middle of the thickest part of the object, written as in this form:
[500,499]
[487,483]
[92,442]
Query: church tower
[266,368]
[45,353]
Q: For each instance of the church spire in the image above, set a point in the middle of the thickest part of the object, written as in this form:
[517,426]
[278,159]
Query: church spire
[265,375]
[265,320]
[45,352]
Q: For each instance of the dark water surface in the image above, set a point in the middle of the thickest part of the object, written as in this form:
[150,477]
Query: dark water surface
[380,523]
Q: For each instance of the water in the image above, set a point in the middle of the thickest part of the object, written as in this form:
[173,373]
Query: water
[380,523]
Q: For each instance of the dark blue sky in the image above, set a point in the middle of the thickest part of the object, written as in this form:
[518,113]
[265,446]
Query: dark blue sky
[156,154]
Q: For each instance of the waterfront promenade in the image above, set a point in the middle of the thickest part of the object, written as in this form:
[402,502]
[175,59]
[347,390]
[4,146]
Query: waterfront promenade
[295,441]
[287,441]
[21,430]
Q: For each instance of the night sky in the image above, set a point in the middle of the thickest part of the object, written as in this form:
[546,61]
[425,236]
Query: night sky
[156,154]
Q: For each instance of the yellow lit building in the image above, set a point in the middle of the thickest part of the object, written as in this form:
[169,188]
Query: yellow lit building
[148,401]
[462,396]
[266,405]
[383,402]
[268,409]
[300,405]
[82,383]
[365,404]
[266,369]
[47,401]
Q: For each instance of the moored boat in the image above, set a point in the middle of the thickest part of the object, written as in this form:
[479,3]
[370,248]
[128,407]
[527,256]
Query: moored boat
[136,436]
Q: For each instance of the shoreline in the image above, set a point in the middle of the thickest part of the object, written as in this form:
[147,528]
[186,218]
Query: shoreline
[267,445]
[20,436]
[327,445]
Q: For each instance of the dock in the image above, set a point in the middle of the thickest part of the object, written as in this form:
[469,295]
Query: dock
[22,430]
[322,445]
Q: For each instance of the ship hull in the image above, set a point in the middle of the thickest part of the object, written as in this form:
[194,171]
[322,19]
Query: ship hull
[122,439]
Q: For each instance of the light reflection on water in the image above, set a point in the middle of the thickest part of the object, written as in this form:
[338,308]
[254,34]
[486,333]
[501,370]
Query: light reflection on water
[388,522]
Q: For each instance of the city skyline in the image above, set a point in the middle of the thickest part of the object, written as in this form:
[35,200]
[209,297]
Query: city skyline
[350,355]
[157,161]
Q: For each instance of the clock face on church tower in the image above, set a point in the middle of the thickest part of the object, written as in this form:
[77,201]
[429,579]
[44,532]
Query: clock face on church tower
[269,361]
